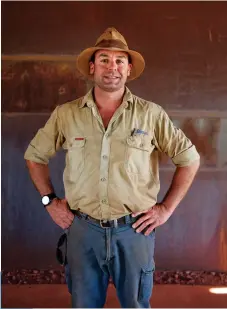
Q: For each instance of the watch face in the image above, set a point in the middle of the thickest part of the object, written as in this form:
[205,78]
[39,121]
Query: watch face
[45,200]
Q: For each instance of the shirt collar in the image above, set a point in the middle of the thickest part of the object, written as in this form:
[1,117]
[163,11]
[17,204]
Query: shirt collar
[128,98]
[89,100]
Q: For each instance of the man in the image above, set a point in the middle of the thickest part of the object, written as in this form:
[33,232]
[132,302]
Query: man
[111,178]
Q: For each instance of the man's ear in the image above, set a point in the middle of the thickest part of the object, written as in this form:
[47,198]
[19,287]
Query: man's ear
[91,68]
[129,69]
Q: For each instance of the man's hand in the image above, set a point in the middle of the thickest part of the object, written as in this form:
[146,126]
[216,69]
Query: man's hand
[60,213]
[152,218]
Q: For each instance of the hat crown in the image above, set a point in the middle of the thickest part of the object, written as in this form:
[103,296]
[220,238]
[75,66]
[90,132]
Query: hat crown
[111,34]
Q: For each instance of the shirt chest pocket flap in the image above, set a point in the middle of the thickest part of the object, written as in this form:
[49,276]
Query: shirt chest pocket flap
[137,155]
[140,142]
[76,153]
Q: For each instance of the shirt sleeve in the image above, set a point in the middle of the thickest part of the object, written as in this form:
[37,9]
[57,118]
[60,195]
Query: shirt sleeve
[47,141]
[173,142]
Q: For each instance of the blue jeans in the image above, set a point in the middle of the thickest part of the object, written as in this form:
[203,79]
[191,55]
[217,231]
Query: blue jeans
[96,254]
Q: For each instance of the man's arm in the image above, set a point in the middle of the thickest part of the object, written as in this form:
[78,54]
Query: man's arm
[160,213]
[181,182]
[58,209]
[40,176]
[43,146]
[178,147]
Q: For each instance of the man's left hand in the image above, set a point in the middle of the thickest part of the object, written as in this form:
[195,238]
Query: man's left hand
[151,218]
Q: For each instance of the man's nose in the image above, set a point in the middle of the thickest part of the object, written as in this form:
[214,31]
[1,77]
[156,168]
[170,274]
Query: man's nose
[112,65]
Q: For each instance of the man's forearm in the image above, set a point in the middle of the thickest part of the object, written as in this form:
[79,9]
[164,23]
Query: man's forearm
[182,180]
[40,176]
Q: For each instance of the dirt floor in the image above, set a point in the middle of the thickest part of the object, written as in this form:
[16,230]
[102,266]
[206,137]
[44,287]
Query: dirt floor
[57,296]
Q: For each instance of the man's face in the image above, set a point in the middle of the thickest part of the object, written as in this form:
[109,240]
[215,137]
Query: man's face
[110,69]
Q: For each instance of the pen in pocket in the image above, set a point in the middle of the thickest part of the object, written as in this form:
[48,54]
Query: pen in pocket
[133,132]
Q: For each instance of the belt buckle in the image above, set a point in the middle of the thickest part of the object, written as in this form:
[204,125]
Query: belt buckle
[115,223]
[101,222]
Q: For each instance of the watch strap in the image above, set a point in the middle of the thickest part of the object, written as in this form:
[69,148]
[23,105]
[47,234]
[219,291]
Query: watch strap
[51,196]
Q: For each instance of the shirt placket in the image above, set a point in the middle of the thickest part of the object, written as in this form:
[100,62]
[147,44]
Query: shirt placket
[105,161]
[104,177]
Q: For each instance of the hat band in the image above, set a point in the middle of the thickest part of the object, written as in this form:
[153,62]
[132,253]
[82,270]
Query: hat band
[112,43]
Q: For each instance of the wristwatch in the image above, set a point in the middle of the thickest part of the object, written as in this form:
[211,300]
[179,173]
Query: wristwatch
[48,198]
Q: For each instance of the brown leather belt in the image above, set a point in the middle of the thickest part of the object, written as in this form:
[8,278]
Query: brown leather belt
[106,223]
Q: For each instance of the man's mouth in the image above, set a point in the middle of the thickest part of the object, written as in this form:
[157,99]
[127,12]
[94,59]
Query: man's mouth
[111,77]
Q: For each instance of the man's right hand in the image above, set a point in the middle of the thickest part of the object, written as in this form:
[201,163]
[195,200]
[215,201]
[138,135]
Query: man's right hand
[60,213]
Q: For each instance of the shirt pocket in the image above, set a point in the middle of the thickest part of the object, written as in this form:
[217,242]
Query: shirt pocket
[76,156]
[137,154]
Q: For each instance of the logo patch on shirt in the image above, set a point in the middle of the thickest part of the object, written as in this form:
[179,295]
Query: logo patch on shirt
[138,131]
[79,138]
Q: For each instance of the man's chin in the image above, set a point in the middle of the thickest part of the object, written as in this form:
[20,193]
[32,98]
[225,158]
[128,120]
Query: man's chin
[113,89]
[110,87]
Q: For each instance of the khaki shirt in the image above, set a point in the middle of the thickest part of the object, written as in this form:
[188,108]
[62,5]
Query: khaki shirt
[113,172]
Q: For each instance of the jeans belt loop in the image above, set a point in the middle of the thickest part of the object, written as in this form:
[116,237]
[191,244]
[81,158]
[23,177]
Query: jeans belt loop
[115,223]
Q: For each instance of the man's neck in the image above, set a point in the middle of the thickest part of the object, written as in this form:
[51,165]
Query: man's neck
[108,100]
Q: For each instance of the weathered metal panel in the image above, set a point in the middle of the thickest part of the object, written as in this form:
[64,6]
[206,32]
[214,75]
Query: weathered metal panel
[28,233]
[184,43]
[196,229]
[185,48]
[39,86]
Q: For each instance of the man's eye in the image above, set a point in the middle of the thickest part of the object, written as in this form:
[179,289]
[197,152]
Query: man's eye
[104,60]
[119,61]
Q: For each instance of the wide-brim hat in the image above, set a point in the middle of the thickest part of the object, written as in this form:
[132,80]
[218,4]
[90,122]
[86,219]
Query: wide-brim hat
[111,39]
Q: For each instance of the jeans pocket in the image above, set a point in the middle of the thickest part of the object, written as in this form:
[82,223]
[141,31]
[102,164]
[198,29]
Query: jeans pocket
[146,285]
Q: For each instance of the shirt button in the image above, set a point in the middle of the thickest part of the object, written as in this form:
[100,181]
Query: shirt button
[103,179]
[141,145]
[107,134]
[104,157]
[104,201]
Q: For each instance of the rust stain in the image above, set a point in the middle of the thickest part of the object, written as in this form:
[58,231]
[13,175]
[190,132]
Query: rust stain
[223,243]
[210,35]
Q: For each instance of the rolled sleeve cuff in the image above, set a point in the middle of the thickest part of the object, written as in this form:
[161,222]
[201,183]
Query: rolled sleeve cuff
[32,154]
[186,157]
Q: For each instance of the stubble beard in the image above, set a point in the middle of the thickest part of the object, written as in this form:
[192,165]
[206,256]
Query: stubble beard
[109,87]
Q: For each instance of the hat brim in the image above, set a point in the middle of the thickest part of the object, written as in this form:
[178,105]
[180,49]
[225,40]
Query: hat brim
[138,63]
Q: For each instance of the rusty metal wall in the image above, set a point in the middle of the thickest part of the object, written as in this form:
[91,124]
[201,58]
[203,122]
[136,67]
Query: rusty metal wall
[185,48]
